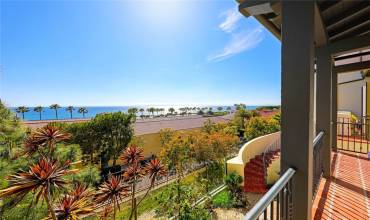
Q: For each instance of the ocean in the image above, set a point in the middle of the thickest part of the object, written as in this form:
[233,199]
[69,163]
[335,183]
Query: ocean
[49,114]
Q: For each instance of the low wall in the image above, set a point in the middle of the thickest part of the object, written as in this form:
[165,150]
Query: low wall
[249,151]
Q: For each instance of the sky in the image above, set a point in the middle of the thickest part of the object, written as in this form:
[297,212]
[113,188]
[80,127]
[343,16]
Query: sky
[119,53]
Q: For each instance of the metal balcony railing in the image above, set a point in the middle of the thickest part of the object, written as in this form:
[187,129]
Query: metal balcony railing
[277,203]
[317,162]
[353,135]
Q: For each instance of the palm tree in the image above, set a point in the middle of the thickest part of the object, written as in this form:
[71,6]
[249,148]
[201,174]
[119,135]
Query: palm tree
[112,191]
[42,179]
[220,108]
[70,109]
[39,110]
[151,110]
[22,110]
[228,109]
[83,111]
[171,110]
[142,112]
[55,107]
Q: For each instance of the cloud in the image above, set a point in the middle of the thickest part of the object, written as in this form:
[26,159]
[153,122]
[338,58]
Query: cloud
[232,17]
[239,42]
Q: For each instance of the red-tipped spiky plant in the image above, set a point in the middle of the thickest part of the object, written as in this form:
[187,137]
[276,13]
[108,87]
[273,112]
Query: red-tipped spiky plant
[133,157]
[42,178]
[154,168]
[112,192]
[71,208]
[49,135]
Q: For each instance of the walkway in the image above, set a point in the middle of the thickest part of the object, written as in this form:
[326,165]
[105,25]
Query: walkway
[347,194]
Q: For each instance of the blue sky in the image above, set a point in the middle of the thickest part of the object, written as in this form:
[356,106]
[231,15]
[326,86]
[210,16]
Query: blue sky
[101,53]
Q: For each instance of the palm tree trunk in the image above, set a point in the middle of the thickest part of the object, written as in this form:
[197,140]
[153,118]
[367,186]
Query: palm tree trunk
[56,114]
[40,115]
[48,202]
[71,114]
[23,115]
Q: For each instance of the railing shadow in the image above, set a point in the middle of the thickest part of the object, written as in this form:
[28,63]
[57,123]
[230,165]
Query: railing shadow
[325,191]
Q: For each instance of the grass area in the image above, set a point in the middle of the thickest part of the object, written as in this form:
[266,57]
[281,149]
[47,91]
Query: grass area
[222,199]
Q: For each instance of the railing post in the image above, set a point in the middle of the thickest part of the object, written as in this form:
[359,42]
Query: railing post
[324,104]
[334,110]
[297,101]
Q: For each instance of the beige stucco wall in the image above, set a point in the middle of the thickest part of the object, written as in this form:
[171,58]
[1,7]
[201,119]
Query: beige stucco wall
[249,151]
[350,94]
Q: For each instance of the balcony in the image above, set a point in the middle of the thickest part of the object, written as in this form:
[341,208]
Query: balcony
[322,176]
[346,194]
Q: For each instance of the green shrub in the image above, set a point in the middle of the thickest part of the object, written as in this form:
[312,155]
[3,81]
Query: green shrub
[223,200]
[258,126]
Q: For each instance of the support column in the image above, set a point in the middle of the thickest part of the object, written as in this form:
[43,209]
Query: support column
[297,101]
[334,109]
[324,104]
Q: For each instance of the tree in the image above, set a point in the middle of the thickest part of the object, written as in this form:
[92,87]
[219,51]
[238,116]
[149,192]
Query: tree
[176,154]
[42,178]
[258,126]
[39,110]
[111,132]
[142,112]
[151,110]
[220,108]
[22,110]
[70,109]
[11,131]
[228,109]
[171,110]
[83,111]
[55,107]
[133,158]
[132,111]
[112,191]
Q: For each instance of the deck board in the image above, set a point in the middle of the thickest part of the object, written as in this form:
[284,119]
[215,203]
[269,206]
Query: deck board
[346,194]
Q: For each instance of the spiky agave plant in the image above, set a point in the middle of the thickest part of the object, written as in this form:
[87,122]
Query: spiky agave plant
[49,135]
[75,204]
[42,178]
[112,192]
[31,145]
[133,157]
[154,168]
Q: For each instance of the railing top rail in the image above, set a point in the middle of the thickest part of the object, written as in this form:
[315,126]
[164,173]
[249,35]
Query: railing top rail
[318,138]
[265,201]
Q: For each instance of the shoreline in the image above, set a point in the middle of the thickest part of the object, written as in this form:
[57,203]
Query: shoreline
[40,123]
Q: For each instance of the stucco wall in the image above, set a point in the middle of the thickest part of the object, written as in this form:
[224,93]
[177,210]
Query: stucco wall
[249,151]
[350,94]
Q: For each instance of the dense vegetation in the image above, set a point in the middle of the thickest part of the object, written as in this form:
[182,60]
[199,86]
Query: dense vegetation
[97,168]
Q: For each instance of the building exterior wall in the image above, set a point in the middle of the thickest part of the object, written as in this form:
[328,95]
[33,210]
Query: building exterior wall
[350,94]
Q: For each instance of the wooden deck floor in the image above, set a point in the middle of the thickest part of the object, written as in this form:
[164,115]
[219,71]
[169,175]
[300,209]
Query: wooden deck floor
[347,194]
